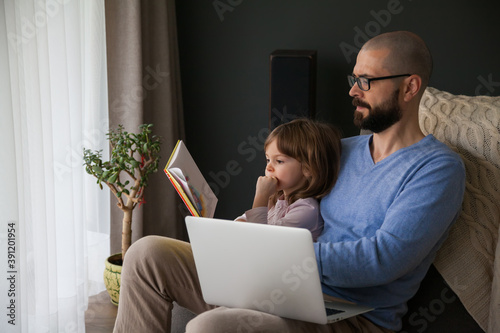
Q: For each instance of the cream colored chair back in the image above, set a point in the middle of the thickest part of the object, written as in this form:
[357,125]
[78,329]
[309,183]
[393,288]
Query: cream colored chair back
[469,260]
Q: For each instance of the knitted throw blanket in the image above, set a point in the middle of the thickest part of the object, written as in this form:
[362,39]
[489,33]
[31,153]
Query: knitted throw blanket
[469,260]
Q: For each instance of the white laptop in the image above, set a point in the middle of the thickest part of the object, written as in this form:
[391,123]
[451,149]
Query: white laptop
[262,267]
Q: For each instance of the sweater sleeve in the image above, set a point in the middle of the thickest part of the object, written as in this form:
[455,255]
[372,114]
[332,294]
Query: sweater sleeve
[414,226]
[303,213]
[256,215]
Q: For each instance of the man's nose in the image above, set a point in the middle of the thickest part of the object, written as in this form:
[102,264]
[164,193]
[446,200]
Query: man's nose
[355,91]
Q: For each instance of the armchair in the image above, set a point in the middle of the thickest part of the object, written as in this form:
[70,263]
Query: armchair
[461,292]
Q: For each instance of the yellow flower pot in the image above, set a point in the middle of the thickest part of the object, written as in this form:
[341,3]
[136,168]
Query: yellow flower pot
[112,276]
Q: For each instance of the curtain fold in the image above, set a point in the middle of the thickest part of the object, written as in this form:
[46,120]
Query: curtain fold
[144,87]
[53,102]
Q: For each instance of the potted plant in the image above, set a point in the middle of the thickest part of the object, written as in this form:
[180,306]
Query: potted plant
[133,158]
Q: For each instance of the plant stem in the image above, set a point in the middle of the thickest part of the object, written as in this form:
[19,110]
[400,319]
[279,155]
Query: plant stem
[127,230]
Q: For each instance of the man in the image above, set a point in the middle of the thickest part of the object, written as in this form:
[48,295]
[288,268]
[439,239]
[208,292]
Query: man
[397,195]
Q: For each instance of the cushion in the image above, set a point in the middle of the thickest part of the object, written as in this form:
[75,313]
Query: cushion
[469,260]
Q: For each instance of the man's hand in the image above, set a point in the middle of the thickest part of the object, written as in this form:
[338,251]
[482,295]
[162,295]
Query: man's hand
[266,186]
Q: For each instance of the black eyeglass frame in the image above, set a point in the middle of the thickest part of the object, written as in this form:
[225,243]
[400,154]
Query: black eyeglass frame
[355,79]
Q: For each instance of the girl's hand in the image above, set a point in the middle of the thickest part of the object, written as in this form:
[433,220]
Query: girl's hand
[266,186]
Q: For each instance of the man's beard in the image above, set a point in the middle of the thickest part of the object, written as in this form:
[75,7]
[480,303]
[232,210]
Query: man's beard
[380,117]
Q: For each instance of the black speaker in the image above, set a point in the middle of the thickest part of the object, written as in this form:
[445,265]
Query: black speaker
[292,85]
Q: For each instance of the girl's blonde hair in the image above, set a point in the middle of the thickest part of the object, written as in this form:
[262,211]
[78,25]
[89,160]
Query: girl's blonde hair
[317,147]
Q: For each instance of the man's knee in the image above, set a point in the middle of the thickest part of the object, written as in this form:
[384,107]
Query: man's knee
[151,247]
[153,253]
[227,320]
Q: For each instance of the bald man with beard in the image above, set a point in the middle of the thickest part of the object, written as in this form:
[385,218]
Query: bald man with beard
[397,195]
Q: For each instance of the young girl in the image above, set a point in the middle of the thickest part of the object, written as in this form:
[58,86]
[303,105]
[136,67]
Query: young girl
[303,160]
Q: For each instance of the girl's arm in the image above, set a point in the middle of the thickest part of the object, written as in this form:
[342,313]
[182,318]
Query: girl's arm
[303,213]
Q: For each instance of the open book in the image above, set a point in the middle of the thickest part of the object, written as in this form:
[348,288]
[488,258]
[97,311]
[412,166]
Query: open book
[188,181]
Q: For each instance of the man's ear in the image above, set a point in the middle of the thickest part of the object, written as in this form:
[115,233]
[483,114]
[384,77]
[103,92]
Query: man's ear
[412,87]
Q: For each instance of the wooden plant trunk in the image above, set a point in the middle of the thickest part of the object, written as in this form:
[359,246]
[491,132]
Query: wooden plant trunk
[126,231]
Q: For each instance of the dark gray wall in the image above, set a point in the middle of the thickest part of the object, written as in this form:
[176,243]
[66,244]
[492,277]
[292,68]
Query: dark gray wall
[224,53]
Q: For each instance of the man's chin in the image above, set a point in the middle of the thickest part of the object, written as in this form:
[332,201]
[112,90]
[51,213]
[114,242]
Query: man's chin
[358,119]
[364,126]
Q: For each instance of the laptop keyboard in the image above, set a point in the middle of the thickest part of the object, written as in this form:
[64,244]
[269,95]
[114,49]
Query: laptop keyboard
[330,311]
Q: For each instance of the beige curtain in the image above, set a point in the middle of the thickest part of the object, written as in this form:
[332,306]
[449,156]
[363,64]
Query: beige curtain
[144,87]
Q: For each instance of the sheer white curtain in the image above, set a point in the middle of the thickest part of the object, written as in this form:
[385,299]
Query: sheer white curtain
[54,231]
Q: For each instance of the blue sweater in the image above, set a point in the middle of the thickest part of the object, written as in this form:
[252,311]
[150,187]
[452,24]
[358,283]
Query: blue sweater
[384,223]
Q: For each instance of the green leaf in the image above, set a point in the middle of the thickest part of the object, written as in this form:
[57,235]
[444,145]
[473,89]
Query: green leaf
[113,177]
[97,169]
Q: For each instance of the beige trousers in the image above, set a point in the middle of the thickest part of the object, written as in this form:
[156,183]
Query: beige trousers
[158,271]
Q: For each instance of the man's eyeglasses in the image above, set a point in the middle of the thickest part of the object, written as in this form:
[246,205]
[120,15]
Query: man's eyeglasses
[364,82]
